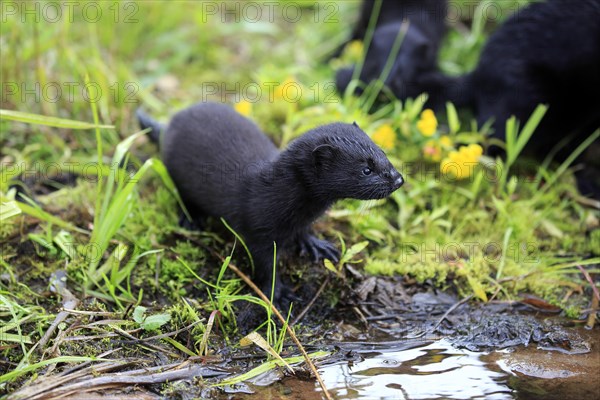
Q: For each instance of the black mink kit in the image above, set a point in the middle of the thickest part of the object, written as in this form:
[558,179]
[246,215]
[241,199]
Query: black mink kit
[224,166]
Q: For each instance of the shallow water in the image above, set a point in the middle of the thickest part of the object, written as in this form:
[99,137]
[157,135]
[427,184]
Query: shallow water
[437,370]
[433,371]
[440,371]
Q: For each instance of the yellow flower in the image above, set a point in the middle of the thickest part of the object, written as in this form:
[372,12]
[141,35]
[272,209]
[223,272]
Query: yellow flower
[384,137]
[432,151]
[445,141]
[244,107]
[473,150]
[287,90]
[461,164]
[427,124]
[354,50]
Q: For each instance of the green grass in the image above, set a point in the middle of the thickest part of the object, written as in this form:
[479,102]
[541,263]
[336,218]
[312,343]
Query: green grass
[503,231]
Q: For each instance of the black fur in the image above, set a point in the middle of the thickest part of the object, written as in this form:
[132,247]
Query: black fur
[549,53]
[417,56]
[428,14]
[224,166]
[146,122]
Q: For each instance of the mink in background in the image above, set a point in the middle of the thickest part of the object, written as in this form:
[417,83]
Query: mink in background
[545,53]
[416,59]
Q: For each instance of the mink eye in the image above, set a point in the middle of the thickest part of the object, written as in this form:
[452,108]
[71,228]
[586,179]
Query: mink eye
[366,171]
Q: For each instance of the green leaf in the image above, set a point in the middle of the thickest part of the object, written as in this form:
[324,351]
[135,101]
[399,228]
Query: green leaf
[9,209]
[37,212]
[151,322]
[510,136]
[477,288]
[180,347]
[438,213]
[138,314]
[37,119]
[11,337]
[329,265]
[64,241]
[505,244]
[552,229]
[41,240]
[159,167]
[453,121]
[118,209]
[154,322]
[29,368]
[529,128]
[266,366]
[355,249]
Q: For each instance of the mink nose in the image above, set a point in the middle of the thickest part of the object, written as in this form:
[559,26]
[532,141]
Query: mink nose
[399,181]
[394,177]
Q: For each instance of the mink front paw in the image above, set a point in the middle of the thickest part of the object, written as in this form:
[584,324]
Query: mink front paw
[318,249]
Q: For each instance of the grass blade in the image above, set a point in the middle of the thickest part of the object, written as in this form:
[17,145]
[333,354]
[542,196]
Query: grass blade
[36,119]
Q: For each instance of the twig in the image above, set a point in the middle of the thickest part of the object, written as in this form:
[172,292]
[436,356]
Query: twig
[590,280]
[382,317]
[45,384]
[84,365]
[139,342]
[93,313]
[586,201]
[164,335]
[312,301]
[454,307]
[361,315]
[135,377]
[264,298]
[592,315]
[69,301]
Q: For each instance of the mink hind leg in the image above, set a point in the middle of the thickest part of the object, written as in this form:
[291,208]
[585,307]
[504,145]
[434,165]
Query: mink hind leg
[263,260]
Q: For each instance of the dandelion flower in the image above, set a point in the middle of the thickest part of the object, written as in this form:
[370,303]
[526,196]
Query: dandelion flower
[384,137]
[286,89]
[244,107]
[445,141]
[427,124]
[354,50]
[474,151]
[461,164]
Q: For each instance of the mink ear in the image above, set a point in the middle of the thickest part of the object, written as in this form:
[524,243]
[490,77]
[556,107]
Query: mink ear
[322,154]
[356,125]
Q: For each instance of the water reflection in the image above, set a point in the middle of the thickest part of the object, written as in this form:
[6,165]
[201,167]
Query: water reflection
[434,371]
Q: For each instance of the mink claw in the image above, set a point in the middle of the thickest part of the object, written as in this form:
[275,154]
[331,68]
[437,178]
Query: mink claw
[319,249]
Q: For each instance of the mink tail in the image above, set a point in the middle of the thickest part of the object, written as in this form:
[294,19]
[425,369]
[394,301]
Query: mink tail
[146,122]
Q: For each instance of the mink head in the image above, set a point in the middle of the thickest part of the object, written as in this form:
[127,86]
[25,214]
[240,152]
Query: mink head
[347,164]
[416,56]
